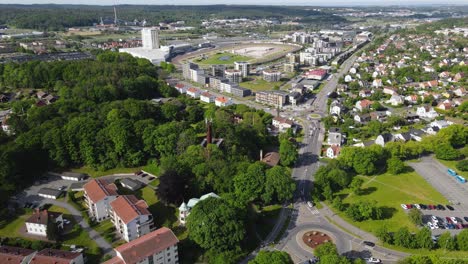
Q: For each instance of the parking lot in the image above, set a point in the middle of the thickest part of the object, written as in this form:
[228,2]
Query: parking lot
[436,174]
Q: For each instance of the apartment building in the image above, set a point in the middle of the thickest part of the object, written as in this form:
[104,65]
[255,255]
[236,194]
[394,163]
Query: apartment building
[234,76]
[98,194]
[240,91]
[271,76]
[56,256]
[274,98]
[131,217]
[157,247]
[243,67]
[15,255]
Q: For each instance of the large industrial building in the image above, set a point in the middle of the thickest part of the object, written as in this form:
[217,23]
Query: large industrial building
[151,49]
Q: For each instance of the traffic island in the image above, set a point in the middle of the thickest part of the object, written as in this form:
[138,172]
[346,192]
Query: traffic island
[314,238]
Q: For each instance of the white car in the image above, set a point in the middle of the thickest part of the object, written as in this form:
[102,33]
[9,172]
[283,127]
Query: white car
[436,226]
[373,260]
[430,225]
[435,219]
[404,206]
[417,206]
[310,204]
[454,219]
[66,221]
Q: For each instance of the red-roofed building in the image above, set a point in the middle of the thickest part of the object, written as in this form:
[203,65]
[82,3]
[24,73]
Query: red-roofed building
[98,194]
[55,256]
[333,151]
[193,92]
[317,74]
[207,97]
[223,101]
[282,123]
[159,246]
[15,255]
[363,104]
[131,217]
[181,88]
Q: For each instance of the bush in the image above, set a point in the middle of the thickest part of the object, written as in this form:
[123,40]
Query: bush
[462,165]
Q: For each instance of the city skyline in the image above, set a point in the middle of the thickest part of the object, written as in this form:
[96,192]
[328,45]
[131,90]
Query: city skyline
[240,2]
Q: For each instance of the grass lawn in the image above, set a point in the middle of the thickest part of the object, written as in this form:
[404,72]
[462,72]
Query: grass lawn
[152,168]
[451,164]
[259,84]
[390,191]
[267,219]
[222,58]
[10,228]
[95,173]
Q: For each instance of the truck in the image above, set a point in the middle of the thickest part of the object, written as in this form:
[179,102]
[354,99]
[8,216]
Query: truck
[451,172]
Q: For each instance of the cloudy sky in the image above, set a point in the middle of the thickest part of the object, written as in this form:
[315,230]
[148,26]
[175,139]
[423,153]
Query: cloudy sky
[238,2]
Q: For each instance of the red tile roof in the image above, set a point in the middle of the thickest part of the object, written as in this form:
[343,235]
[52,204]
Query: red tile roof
[13,255]
[42,217]
[180,85]
[54,256]
[206,94]
[222,99]
[365,103]
[320,72]
[99,189]
[192,90]
[128,207]
[145,246]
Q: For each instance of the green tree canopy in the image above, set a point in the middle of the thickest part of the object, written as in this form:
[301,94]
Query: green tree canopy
[272,257]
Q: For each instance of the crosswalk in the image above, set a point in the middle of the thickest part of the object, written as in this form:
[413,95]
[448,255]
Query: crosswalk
[314,211]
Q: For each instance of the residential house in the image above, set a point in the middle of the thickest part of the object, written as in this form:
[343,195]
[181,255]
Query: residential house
[55,256]
[365,93]
[193,92]
[38,222]
[207,97]
[412,99]
[416,134]
[364,144]
[15,255]
[404,137]
[335,137]
[333,151]
[98,194]
[49,99]
[131,184]
[223,101]
[389,90]
[362,118]
[271,158]
[185,208]
[41,95]
[131,217]
[461,91]
[377,83]
[378,116]
[384,139]
[426,112]
[282,123]
[440,124]
[181,88]
[432,130]
[445,105]
[363,104]
[395,100]
[158,247]
[336,107]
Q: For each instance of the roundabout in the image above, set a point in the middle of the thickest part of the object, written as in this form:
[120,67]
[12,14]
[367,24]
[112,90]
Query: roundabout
[315,238]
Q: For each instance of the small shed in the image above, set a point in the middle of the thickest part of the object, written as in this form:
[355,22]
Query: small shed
[73,176]
[131,184]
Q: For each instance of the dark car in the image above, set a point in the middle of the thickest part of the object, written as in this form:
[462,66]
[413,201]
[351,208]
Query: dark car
[423,206]
[143,175]
[466,218]
[450,207]
[369,244]
[409,206]
[448,219]
[151,178]
[138,173]
[440,207]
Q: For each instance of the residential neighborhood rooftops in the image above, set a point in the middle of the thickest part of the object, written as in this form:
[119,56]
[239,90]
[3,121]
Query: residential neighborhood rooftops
[128,207]
[131,183]
[50,191]
[53,256]
[42,217]
[144,246]
[13,255]
[98,189]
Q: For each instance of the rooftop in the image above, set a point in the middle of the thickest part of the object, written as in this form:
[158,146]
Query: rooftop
[42,217]
[54,256]
[13,255]
[128,207]
[98,189]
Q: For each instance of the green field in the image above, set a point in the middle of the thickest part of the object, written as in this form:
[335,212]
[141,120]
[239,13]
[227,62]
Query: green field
[390,191]
[259,84]
[216,59]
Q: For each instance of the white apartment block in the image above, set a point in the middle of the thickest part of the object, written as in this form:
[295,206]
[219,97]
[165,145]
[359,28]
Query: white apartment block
[98,194]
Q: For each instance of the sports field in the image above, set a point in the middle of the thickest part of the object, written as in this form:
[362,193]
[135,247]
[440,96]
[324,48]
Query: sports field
[222,58]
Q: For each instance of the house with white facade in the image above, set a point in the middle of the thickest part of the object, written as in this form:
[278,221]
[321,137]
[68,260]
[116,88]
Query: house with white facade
[223,101]
[131,217]
[185,208]
[98,194]
[333,151]
[282,123]
[335,137]
[336,107]
[193,92]
[55,256]
[37,223]
[363,104]
[157,247]
[384,139]
[426,112]
[395,100]
[207,97]
[181,88]
[440,124]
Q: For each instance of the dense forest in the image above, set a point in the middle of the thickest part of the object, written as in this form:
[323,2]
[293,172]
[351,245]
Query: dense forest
[60,17]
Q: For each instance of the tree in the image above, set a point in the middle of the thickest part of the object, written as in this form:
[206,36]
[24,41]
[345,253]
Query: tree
[249,185]
[415,216]
[395,165]
[278,185]
[171,187]
[272,257]
[403,238]
[338,203]
[356,184]
[325,249]
[214,224]
[445,151]
[462,240]
[462,165]
[383,234]
[446,241]
[52,231]
[288,153]
[424,238]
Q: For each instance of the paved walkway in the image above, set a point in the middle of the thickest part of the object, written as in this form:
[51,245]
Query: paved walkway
[100,241]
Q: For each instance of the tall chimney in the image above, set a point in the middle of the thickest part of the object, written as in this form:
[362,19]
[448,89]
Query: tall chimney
[261,154]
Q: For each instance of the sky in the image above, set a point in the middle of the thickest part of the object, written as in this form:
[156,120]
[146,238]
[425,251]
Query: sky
[240,2]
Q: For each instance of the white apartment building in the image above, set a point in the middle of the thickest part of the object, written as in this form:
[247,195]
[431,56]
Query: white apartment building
[98,194]
[131,217]
[243,67]
[157,247]
[234,76]
[56,256]
[150,38]
[37,223]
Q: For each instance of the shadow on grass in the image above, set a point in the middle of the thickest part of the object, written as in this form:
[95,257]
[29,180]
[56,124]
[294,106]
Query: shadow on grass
[367,191]
[387,212]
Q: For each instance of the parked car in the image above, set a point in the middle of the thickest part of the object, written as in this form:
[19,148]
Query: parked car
[423,206]
[66,221]
[151,178]
[440,207]
[310,204]
[143,175]
[373,260]
[436,225]
[459,226]
[409,206]
[138,173]
[451,172]
[450,207]
[435,219]
[417,206]
[404,206]
[449,220]
[451,226]
[369,244]
[454,219]
[430,225]
[466,218]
